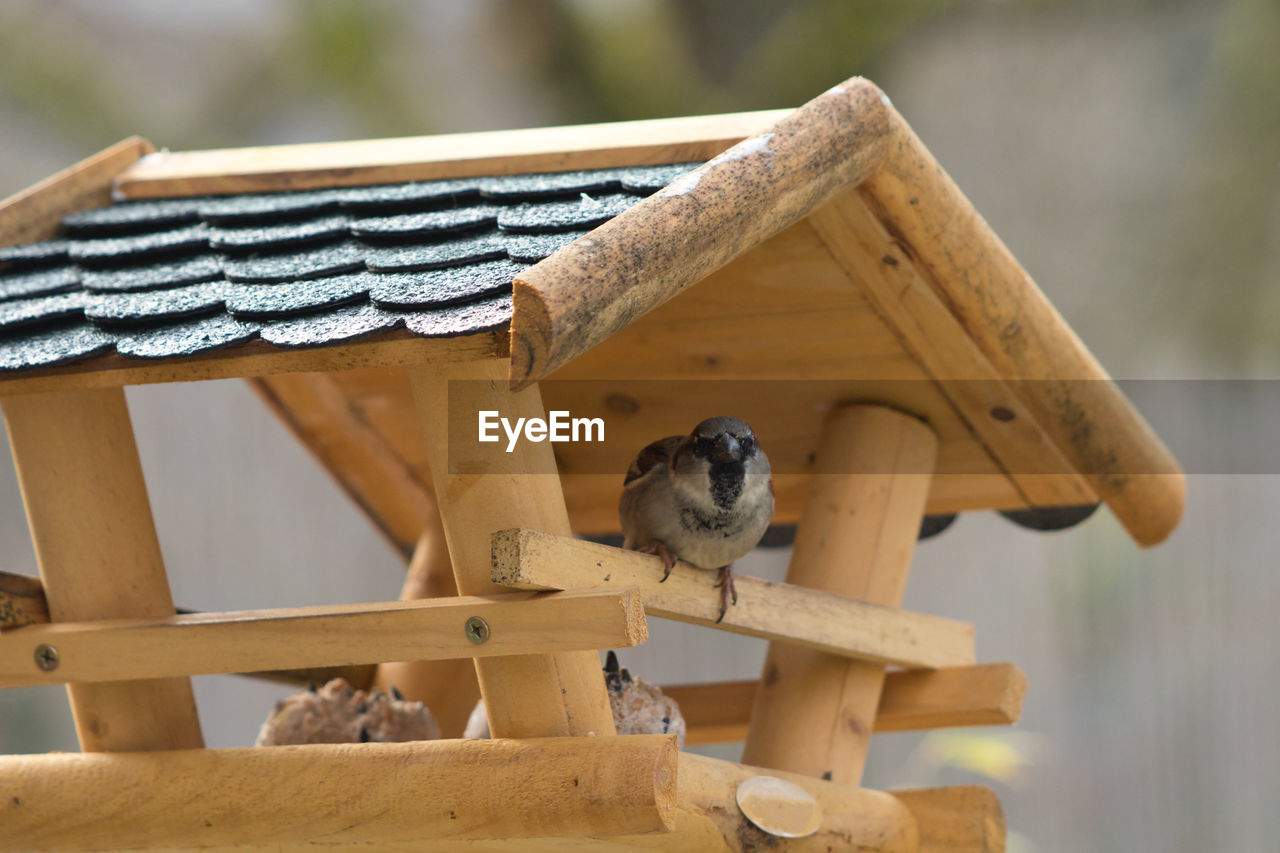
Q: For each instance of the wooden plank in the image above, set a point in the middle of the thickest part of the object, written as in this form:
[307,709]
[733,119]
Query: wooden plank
[448,687]
[255,358]
[979,695]
[364,464]
[99,558]
[21,601]
[529,695]
[1094,426]
[35,213]
[375,161]
[331,635]
[963,819]
[989,406]
[786,613]
[589,290]
[330,793]
[814,712]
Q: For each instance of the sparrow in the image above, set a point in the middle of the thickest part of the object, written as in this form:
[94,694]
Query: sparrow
[705,498]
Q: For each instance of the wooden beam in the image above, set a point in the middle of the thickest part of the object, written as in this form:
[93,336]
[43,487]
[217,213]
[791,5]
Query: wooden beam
[375,161]
[991,409]
[595,287]
[531,695]
[375,793]
[21,601]
[359,458]
[99,558]
[1092,423]
[255,358]
[814,712]
[980,695]
[251,640]
[787,613]
[449,688]
[963,819]
[36,213]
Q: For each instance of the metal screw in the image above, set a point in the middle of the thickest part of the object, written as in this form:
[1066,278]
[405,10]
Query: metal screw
[477,630]
[46,657]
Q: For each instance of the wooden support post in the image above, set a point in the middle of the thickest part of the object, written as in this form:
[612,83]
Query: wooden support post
[448,687]
[527,695]
[814,712]
[99,558]
[376,793]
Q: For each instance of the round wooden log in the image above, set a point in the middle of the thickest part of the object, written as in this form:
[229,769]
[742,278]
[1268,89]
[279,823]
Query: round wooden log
[480,492]
[334,793]
[99,558]
[814,713]
[591,289]
[1024,336]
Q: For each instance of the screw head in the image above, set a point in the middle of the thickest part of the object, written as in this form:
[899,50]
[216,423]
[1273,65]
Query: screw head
[46,657]
[477,630]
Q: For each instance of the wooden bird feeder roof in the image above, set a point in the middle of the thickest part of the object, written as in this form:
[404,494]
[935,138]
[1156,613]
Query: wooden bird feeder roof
[816,257]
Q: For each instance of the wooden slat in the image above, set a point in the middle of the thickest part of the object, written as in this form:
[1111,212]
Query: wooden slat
[786,613]
[377,793]
[963,819]
[252,640]
[364,464]
[1094,426]
[587,291]
[99,558]
[532,695]
[542,149]
[814,712]
[255,358]
[979,695]
[893,285]
[35,213]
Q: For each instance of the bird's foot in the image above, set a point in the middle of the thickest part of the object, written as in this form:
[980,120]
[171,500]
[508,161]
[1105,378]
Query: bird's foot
[728,592]
[668,558]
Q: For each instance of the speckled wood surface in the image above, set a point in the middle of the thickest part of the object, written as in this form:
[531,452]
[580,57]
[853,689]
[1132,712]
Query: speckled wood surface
[178,277]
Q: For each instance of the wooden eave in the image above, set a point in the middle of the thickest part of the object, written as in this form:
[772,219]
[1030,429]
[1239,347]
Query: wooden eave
[871,279]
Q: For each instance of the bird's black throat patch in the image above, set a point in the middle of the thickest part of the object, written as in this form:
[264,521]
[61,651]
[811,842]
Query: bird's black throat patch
[727,482]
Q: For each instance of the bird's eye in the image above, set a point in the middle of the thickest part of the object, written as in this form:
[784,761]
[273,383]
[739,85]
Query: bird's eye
[746,443]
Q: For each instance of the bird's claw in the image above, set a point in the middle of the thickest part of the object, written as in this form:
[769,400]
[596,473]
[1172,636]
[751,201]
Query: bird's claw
[668,558]
[728,591]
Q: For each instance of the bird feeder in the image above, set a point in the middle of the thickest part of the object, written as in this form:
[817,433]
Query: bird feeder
[812,271]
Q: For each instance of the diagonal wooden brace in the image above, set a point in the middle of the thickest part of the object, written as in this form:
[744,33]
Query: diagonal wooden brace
[814,712]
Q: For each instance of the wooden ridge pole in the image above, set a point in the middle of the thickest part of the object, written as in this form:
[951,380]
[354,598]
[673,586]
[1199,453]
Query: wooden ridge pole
[596,286]
[536,695]
[814,713]
[99,558]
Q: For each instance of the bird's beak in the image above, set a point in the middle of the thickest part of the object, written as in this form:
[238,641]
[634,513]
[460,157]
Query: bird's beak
[726,449]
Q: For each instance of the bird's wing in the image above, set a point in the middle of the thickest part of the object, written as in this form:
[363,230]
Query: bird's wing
[657,453]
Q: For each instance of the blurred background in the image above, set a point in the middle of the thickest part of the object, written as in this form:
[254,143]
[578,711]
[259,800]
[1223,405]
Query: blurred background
[1128,151]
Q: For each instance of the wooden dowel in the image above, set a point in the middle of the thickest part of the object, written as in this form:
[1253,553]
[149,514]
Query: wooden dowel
[591,289]
[814,712]
[246,641]
[448,687]
[981,695]
[99,558]
[333,793]
[788,613]
[529,695]
[1024,336]
[505,152]
[963,819]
